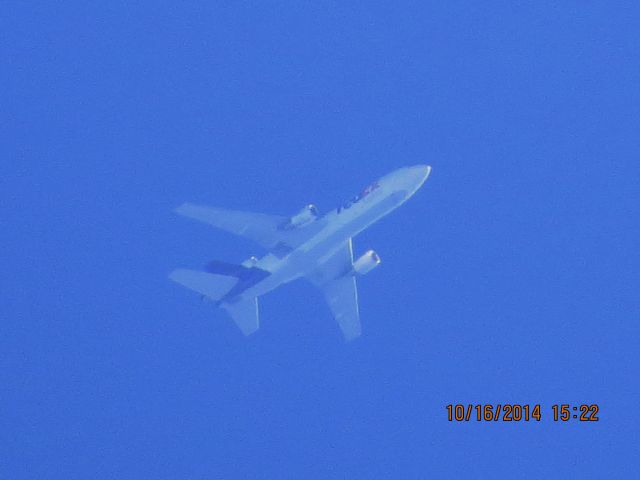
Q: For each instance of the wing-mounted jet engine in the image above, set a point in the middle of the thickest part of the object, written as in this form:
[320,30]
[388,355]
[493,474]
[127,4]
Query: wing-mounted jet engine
[304,217]
[367,262]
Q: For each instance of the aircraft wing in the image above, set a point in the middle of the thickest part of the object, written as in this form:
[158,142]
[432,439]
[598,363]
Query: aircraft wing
[261,228]
[339,287]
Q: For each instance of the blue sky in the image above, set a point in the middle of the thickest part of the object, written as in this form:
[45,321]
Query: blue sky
[511,277]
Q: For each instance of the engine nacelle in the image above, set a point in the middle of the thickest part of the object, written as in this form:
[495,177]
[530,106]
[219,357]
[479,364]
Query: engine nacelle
[366,263]
[306,216]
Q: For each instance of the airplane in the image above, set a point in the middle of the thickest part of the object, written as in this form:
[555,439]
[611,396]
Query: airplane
[306,245]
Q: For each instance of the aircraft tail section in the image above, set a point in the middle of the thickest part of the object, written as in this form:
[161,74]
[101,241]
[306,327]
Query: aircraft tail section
[245,314]
[212,286]
[219,287]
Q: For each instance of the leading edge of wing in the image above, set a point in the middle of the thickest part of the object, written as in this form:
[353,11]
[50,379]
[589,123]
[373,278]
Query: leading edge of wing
[259,227]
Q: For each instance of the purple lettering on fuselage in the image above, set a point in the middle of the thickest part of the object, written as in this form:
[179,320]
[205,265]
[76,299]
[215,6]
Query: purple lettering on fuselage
[358,197]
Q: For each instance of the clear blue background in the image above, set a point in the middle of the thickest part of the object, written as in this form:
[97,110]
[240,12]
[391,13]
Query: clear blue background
[512,276]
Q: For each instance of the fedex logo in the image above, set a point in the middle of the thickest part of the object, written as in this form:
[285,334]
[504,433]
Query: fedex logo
[358,197]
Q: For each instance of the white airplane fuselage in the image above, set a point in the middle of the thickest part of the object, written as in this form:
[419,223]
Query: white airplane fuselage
[335,228]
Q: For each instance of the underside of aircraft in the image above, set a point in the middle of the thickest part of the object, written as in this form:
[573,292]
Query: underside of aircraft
[305,245]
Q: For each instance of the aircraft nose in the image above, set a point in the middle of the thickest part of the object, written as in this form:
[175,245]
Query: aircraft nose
[420,172]
[407,179]
[415,176]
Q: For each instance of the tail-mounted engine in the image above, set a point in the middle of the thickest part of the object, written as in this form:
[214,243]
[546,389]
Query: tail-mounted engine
[303,218]
[366,263]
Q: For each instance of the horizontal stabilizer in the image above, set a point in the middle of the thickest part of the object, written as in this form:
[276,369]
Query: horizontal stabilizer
[223,268]
[208,284]
[245,314]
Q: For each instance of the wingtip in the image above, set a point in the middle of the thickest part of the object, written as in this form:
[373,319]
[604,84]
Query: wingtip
[351,338]
[180,208]
[174,274]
